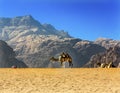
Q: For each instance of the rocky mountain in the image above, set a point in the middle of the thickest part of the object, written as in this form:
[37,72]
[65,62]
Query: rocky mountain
[34,43]
[25,35]
[7,57]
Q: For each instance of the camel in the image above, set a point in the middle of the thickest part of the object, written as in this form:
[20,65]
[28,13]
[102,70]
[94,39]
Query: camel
[108,65]
[105,65]
[64,57]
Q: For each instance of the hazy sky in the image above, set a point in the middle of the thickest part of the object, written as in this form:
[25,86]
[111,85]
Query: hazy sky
[85,19]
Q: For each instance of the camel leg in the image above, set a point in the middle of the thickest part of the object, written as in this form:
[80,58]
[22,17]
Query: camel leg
[61,63]
[70,64]
[103,65]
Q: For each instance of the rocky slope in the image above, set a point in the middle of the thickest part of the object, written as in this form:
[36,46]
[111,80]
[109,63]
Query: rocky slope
[7,57]
[107,43]
[81,52]
[110,55]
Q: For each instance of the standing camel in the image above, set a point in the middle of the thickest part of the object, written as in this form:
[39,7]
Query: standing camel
[64,57]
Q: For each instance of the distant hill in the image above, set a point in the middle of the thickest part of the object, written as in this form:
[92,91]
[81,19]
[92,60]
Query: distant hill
[34,43]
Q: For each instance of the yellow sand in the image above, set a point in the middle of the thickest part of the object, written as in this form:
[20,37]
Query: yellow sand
[64,80]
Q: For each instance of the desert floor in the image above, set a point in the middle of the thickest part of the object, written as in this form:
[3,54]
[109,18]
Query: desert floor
[64,80]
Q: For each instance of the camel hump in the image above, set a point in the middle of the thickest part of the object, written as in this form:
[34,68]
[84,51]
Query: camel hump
[67,55]
[63,54]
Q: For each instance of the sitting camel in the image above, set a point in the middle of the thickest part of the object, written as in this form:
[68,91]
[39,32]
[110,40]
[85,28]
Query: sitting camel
[64,57]
[105,65]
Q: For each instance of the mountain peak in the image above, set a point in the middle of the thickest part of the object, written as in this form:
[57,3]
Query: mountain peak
[22,26]
[29,17]
[26,20]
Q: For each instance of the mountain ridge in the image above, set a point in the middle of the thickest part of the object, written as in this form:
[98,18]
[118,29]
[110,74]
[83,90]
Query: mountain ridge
[34,43]
[28,22]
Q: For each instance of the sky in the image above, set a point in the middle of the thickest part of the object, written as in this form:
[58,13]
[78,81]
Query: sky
[84,19]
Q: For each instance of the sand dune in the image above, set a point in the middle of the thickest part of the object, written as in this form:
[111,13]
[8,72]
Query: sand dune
[60,80]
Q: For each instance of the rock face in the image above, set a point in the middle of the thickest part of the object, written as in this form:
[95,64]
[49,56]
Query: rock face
[85,50]
[107,43]
[34,43]
[110,55]
[7,57]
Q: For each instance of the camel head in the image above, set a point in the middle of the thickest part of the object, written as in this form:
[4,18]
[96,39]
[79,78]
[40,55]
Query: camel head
[52,59]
